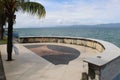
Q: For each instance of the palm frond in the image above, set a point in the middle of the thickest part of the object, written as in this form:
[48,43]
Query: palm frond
[22,1]
[3,18]
[34,8]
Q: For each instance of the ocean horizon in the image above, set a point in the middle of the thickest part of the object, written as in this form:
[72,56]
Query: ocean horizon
[110,34]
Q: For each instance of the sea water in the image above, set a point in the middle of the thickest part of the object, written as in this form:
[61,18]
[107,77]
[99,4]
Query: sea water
[108,34]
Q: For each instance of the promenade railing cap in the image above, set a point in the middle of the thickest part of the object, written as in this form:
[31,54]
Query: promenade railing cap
[110,53]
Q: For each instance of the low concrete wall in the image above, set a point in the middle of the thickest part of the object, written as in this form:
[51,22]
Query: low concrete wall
[105,66]
[110,70]
[67,40]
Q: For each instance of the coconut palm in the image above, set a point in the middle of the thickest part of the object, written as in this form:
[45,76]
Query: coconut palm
[1,26]
[2,20]
[12,6]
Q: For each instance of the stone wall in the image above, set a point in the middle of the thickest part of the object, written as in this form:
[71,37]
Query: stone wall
[109,71]
[67,40]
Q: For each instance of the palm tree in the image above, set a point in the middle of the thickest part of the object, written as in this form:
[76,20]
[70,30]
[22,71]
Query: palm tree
[12,6]
[2,20]
[1,26]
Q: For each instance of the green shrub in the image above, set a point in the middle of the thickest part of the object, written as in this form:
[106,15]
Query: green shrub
[4,41]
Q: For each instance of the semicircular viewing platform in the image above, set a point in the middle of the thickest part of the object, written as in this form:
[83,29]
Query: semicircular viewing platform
[62,58]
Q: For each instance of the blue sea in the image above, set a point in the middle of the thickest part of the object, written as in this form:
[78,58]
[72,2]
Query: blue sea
[108,34]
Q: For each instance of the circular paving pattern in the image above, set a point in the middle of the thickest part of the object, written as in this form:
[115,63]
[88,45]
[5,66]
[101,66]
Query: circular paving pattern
[55,53]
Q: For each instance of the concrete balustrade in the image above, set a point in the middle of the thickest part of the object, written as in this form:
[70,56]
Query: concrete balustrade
[67,40]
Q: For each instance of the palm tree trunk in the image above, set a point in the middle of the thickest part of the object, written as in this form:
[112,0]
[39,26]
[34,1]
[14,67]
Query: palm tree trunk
[9,40]
[1,32]
[2,22]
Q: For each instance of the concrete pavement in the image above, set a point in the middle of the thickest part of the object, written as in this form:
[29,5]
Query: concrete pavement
[29,66]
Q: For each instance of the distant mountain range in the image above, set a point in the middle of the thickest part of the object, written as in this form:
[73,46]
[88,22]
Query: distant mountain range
[109,25]
[114,25]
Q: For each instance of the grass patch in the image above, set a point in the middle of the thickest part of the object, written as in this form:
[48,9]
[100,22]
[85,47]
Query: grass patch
[4,41]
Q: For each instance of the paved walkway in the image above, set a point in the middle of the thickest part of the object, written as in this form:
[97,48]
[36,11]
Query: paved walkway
[2,74]
[29,66]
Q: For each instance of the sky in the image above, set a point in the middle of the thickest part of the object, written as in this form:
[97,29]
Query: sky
[72,12]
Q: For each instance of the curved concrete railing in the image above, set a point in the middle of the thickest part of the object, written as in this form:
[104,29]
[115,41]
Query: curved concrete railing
[106,64]
[68,40]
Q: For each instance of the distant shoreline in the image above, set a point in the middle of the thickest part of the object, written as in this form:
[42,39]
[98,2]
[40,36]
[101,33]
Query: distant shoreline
[110,25]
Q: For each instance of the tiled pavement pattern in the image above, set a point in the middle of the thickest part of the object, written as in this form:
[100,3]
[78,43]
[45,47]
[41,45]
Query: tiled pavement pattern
[55,53]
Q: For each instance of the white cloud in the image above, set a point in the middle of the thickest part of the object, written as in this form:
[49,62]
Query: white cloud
[74,12]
